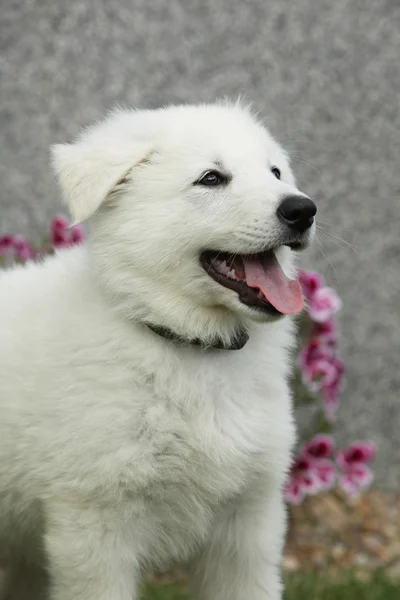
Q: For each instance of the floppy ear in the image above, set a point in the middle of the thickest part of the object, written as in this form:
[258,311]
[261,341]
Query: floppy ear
[87,172]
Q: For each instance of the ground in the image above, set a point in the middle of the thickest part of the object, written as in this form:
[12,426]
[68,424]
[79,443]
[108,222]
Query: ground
[335,532]
[309,587]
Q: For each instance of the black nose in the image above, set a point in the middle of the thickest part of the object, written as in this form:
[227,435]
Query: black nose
[297,212]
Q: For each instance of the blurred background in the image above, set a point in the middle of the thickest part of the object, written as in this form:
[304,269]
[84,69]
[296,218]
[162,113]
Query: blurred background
[326,77]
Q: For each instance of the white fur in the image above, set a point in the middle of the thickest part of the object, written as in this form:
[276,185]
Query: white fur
[122,450]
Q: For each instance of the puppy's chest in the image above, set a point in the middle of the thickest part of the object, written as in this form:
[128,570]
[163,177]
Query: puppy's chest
[208,441]
[203,440]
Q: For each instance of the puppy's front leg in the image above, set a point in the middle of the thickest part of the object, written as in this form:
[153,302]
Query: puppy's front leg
[242,558]
[91,555]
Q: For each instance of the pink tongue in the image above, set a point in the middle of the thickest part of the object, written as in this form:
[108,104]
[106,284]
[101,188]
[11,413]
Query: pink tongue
[265,274]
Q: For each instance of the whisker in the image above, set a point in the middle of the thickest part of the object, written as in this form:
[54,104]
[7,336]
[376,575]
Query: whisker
[305,162]
[337,239]
[334,234]
[318,198]
[285,134]
[210,266]
[327,225]
[324,254]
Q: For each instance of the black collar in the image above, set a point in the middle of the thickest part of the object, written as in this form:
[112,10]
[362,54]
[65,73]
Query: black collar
[240,339]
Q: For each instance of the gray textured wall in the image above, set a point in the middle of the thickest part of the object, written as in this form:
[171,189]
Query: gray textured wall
[326,75]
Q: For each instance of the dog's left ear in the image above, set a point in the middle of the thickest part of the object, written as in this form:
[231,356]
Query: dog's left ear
[88,172]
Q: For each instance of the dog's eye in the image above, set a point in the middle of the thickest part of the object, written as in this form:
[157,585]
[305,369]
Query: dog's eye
[212,179]
[275,171]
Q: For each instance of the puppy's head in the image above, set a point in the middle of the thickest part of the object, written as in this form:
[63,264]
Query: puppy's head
[194,215]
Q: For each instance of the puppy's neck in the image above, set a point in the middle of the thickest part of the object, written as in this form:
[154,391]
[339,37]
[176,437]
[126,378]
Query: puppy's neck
[237,343]
[169,313]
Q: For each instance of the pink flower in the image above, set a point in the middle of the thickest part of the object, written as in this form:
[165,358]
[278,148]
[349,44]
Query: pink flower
[21,248]
[316,363]
[321,446]
[358,452]
[319,450]
[61,236]
[323,372]
[356,475]
[60,222]
[6,244]
[311,352]
[302,481]
[326,473]
[58,232]
[77,234]
[331,389]
[310,283]
[292,492]
[323,303]
[326,332]
[358,478]
[312,471]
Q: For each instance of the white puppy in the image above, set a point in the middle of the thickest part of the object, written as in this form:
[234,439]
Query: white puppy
[145,415]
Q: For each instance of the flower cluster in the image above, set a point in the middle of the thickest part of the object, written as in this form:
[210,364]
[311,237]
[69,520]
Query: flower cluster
[322,301]
[318,468]
[318,465]
[16,247]
[320,364]
[355,474]
[61,235]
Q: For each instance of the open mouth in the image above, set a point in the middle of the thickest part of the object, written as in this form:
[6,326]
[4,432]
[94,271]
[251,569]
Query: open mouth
[258,280]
